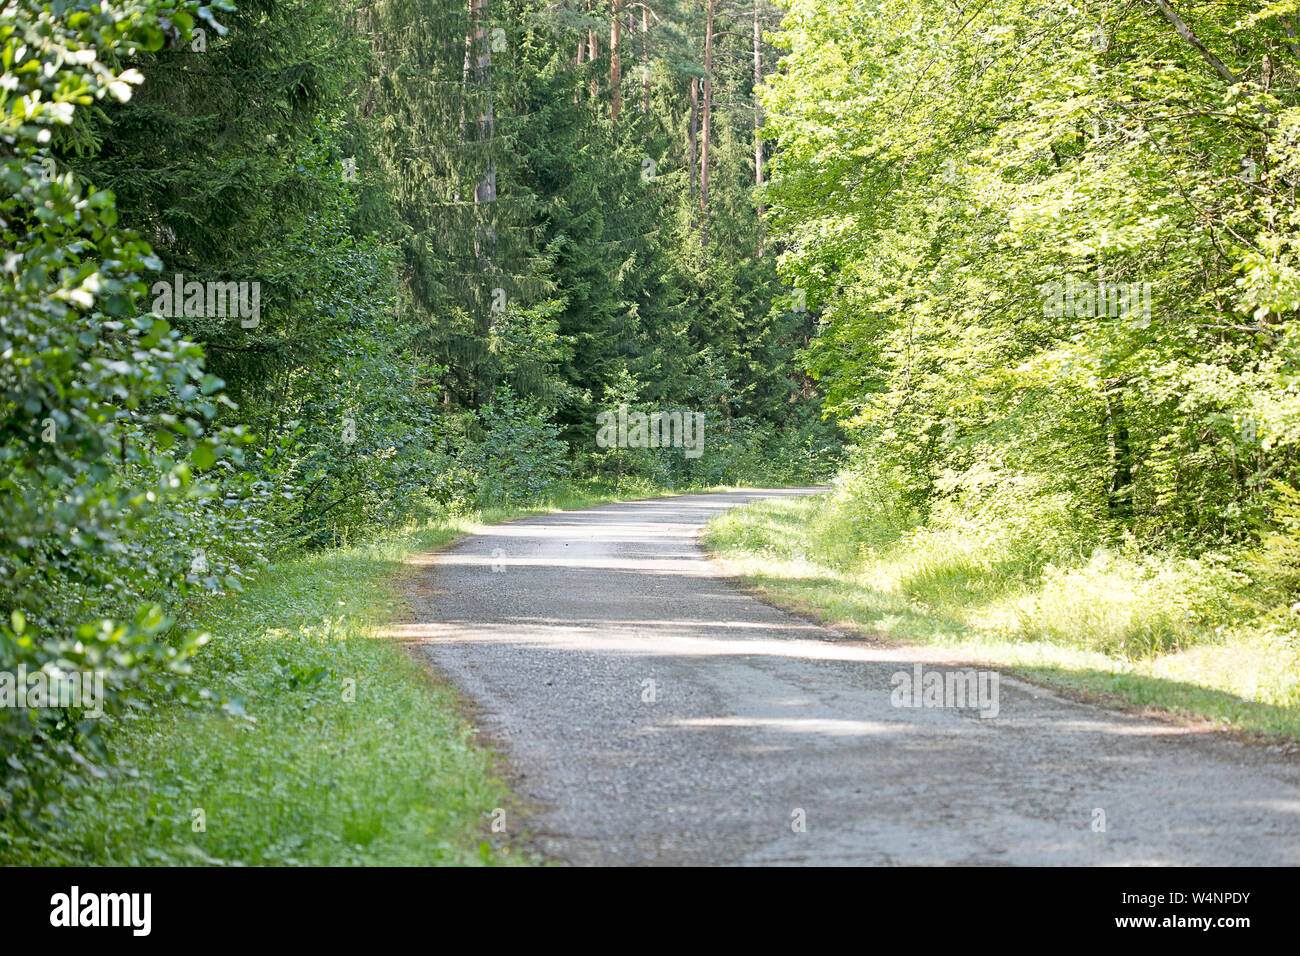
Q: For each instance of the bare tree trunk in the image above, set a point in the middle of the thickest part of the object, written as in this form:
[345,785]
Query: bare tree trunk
[482,71]
[692,139]
[593,51]
[464,75]
[469,45]
[478,57]
[758,117]
[581,44]
[706,125]
[582,54]
[615,64]
[645,59]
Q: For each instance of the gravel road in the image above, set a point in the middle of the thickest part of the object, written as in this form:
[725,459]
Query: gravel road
[652,712]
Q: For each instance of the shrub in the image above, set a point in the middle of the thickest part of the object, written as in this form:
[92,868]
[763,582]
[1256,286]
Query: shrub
[520,455]
[104,413]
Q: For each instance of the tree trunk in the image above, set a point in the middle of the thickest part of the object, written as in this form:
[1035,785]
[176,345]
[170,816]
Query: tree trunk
[593,51]
[1184,31]
[692,139]
[615,65]
[582,55]
[478,59]
[758,117]
[706,125]
[1120,503]
[582,51]
[645,59]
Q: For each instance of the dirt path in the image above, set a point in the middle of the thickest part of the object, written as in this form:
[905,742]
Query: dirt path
[654,713]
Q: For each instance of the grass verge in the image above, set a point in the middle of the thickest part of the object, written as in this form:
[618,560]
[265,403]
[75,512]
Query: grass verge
[1140,631]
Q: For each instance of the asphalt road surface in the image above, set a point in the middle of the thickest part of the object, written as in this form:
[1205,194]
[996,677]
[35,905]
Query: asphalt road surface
[652,712]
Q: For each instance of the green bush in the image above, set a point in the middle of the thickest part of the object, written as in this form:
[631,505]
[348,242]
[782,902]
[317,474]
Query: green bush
[105,414]
[520,455]
[45,746]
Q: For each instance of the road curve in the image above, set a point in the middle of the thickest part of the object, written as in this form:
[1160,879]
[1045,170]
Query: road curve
[758,721]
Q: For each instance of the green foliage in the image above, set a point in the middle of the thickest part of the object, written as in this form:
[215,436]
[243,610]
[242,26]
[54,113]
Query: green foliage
[601,267]
[436,333]
[1039,458]
[333,747]
[520,456]
[105,415]
[1277,562]
[1150,630]
[231,157]
[112,668]
[356,427]
[943,174]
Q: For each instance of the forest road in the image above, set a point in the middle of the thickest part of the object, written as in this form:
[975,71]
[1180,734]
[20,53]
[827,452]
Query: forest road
[652,712]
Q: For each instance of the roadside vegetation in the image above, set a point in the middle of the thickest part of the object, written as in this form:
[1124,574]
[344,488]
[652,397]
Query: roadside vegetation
[316,740]
[1053,248]
[1028,591]
[316,743]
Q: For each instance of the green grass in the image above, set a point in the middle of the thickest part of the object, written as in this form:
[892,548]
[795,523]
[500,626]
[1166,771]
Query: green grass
[330,746]
[1149,631]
